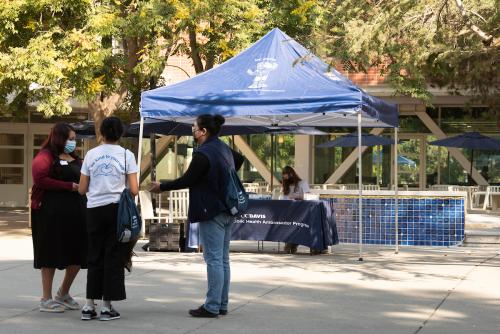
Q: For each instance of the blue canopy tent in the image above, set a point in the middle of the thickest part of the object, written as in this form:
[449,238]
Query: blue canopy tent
[275,82]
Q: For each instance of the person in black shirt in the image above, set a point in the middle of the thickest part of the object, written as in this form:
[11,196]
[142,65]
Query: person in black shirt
[207,177]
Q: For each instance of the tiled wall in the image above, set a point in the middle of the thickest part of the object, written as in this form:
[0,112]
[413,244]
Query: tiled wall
[423,221]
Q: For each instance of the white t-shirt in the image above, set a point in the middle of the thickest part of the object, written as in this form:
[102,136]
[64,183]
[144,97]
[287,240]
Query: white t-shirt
[105,165]
[299,191]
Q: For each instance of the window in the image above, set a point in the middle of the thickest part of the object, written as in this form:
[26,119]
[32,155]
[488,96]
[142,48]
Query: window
[12,158]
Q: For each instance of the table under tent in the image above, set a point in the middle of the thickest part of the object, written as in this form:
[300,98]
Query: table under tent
[275,82]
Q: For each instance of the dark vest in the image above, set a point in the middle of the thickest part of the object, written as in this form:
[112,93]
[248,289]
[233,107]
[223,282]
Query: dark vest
[205,198]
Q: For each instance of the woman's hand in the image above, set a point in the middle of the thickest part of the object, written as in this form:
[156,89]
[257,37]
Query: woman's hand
[154,187]
[75,186]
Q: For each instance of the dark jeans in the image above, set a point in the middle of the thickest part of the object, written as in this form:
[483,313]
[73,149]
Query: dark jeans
[106,256]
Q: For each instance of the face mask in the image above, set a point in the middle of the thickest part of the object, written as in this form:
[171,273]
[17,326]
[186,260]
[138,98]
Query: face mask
[194,138]
[70,146]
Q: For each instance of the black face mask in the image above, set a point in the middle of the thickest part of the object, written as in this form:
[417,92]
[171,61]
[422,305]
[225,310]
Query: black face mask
[195,140]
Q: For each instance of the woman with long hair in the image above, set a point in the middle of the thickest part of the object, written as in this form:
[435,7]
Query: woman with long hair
[293,188]
[58,216]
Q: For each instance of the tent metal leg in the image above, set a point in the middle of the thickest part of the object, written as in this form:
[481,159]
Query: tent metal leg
[139,160]
[396,218]
[360,185]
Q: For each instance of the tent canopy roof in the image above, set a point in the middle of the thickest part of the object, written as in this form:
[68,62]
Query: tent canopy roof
[275,82]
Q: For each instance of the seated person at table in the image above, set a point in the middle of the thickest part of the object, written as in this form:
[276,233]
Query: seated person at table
[293,188]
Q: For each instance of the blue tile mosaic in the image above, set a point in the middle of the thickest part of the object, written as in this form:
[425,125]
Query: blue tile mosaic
[423,221]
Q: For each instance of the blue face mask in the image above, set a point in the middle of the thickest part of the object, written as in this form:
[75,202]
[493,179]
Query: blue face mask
[70,146]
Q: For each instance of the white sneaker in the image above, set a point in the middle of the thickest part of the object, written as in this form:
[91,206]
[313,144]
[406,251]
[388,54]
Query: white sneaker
[67,301]
[51,306]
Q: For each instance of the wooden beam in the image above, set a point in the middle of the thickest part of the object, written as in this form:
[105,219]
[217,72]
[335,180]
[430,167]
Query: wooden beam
[350,160]
[455,152]
[161,146]
[247,151]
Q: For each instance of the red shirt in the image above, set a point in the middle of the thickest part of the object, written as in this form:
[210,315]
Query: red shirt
[42,181]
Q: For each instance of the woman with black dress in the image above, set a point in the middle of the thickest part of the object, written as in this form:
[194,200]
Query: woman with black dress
[58,217]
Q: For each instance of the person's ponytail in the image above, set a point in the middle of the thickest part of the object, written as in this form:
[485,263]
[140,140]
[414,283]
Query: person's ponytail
[212,123]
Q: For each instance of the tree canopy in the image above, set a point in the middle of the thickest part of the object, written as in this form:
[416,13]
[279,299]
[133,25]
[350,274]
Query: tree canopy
[420,43]
[106,52]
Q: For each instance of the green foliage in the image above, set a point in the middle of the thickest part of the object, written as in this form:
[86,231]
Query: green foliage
[216,30]
[300,19]
[51,51]
[55,50]
[417,43]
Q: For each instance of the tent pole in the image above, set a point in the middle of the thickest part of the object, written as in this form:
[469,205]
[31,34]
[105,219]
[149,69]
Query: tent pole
[139,160]
[471,166]
[152,144]
[360,185]
[272,161]
[396,217]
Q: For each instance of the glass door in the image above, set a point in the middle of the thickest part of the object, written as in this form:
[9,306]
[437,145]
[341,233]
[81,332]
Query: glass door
[411,161]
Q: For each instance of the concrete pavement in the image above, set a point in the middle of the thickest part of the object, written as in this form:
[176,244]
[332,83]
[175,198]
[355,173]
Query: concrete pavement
[420,290]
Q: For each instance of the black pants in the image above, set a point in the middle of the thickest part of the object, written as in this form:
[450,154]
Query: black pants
[106,256]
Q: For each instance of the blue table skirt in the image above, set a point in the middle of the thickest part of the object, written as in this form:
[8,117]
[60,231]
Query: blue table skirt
[307,223]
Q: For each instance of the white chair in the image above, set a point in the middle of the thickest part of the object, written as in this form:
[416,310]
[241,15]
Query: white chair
[251,187]
[328,186]
[371,187]
[492,198]
[147,212]
[479,200]
[311,197]
[441,187]
[178,205]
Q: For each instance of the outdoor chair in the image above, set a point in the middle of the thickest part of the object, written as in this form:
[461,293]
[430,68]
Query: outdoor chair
[251,187]
[479,200]
[147,212]
[178,205]
[329,186]
[441,187]
[371,187]
[492,198]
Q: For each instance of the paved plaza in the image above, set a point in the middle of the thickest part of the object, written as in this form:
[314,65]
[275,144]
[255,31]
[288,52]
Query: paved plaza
[420,290]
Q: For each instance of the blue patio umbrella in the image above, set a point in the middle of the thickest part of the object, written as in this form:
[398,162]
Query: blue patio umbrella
[470,140]
[351,140]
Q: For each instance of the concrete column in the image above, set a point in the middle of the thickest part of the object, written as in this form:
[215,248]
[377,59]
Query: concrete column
[304,162]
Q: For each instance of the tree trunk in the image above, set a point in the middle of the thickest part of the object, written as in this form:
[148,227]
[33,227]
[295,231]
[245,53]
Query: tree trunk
[195,53]
[103,107]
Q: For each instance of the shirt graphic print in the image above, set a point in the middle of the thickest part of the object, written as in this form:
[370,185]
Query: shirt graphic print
[105,165]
